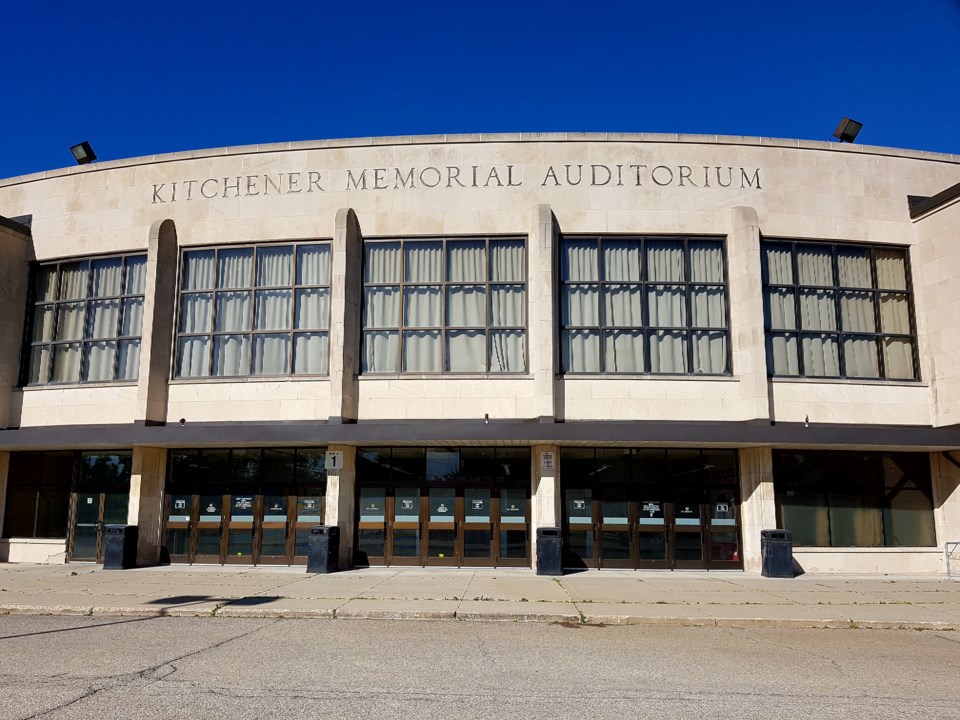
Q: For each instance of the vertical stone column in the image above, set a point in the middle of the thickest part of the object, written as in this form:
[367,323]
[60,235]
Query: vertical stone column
[345,298]
[341,501]
[15,253]
[945,476]
[544,494]
[145,509]
[156,342]
[542,308]
[748,343]
[4,473]
[758,510]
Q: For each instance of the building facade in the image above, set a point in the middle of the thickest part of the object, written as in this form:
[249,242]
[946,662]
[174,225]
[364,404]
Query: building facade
[660,344]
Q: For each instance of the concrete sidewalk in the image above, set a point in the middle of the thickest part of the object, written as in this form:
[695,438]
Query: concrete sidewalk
[731,599]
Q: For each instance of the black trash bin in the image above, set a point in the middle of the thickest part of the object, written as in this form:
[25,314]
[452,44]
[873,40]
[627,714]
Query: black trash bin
[549,551]
[776,553]
[119,547]
[323,549]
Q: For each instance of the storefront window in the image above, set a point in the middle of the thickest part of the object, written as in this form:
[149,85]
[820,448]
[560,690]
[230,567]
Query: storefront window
[844,499]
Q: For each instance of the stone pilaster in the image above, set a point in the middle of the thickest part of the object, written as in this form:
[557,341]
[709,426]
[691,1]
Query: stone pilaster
[945,476]
[758,509]
[15,252]
[4,473]
[545,499]
[345,301]
[145,508]
[158,319]
[542,280]
[341,501]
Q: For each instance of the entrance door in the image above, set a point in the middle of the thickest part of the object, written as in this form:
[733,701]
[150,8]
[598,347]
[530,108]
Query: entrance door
[101,498]
[239,529]
[405,535]
[441,527]
[208,547]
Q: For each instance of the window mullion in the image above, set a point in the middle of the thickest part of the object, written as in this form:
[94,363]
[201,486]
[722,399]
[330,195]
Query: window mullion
[837,318]
[795,267]
[688,301]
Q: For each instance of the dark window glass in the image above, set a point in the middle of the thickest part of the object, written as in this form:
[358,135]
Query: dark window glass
[38,494]
[844,499]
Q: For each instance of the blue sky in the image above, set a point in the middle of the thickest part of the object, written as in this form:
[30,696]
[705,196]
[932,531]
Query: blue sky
[145,78]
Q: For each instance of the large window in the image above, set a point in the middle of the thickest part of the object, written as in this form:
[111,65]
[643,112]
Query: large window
[450,305]
[262,310]
[87,318]
[38,494]
[849,499]
[836,310]
[644,305]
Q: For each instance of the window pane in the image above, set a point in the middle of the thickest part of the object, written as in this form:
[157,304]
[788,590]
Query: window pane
[421,351]
[814,263]
[313,265]
[856,312]
[73,280]
[198,270]
[781,310]
[233,311]
[908,511]
[710,352]
[311,353]
[579,261]
[861,357]
[709,307]
[894,314]
[381,352]
[668,352]
[103,318]
[581,305]
[70,321]
[422,306]
[581,351]
[623,351]
[274,266]
[507,305]
[466,306]
[891,269]
[821,356]
[621,261]
[66,363]
[466,261]
[507,261]
[194,357]
[508,351]
[898,358]
[666,306]
[43,323]
[664,261]
[466,351]
[231,355]
[100,357]
[817,310]
[235,268]
[271,354]
[381,307]
[136,279]
[128,365]
[105,277]
[706,262]
[423,262]
[623,306]
[853,265]
[381,263]
[778,264]
[272,310]
[783,355]
[40,364]
[195,312]
[46,287]
[313,309]
[132,323]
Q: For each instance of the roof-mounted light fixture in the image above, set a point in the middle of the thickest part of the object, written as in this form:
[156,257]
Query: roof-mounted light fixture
[83,153]
[847,130]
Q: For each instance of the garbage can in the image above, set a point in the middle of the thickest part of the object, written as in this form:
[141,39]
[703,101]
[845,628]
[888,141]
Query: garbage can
[323,549]
[776,553]
[119,547]
[549,551]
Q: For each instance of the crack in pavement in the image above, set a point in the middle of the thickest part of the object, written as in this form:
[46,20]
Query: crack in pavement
[832,662]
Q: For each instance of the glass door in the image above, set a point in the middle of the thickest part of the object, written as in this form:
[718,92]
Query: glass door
[371,529]
[181,514]
[615,535]
[514,528]
[652,534]
[309,509]
[239,529]
[101,498]
[209,530]
[87,527]
[477,528]
[687,531]
[274,531]
[441,527]
[580,529]
[405,528]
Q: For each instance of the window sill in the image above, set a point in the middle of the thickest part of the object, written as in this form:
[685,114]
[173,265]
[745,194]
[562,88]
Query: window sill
[876,382]
[445,376]
[651,376]
[77,386]
[854,549]
[249,379]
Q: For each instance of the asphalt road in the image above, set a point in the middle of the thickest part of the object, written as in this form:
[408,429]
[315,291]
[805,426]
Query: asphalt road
[78,667]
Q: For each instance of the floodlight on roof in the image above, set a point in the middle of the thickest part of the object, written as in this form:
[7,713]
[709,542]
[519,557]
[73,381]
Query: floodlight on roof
[847,130]
[83,153]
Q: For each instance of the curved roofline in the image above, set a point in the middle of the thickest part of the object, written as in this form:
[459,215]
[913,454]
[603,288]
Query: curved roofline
[467,138]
